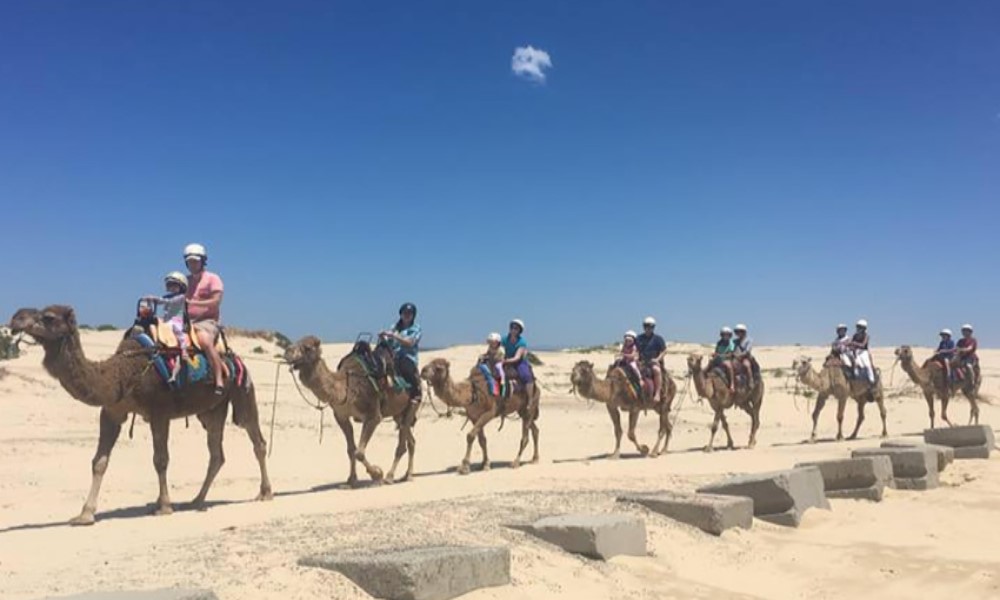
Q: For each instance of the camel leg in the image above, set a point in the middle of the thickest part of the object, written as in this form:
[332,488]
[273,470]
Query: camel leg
[882,413]
[715,427]
[663,435]
[160,427]
[725,427]
[471,437]
[411,448]
[861,419]
[945,398]
[215,424]
[616,421]
[820,403]
[633,419]
[348,429]
[841,406]
[754,425]
[367,431]
[534,440]
[973,407]
[110,429]
[251,422]
[482,446]
[525,432]
[401,448]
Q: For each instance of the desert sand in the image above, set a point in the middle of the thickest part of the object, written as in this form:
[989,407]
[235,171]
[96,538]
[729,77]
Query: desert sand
[932,544]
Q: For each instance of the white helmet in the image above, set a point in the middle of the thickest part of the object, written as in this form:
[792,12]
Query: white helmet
[841,326]
[649,321]
[630,334]
[195,251]
[726,330]
[740,327]
[176,277]
[862,323]
[966,327]
[946,332]
[493,337]
[519,323]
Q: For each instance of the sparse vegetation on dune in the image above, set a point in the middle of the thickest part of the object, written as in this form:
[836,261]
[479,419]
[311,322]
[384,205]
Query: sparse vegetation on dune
[275,337]
[8,345]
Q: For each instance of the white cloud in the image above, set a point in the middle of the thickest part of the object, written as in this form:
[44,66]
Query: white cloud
[530,63]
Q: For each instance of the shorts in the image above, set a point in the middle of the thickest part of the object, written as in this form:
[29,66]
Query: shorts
[524,372]
[208,326]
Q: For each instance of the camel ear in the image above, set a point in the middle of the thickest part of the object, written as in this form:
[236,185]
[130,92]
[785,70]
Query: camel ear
[71,318]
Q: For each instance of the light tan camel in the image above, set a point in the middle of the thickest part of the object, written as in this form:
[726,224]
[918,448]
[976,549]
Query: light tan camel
[715,389]
[124,384]
[351,395]
[831,381]
[933,381]
[617,394]
[480,407]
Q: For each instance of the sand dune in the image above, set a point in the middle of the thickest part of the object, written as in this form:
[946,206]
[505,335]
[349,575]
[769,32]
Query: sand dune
[930,544]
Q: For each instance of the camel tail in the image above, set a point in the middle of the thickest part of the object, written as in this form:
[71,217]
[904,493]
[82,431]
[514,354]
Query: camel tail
[503,418]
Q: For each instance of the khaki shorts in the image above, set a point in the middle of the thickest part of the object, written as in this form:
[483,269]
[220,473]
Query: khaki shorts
[208,326]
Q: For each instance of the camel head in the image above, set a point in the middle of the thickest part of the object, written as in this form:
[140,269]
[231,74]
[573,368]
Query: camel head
[50,324]
[305,352]
[436,371]
[801,365]
[582,374]
[904,353]
[694,362]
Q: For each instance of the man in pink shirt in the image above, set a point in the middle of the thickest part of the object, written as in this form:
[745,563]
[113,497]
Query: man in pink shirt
[204,297]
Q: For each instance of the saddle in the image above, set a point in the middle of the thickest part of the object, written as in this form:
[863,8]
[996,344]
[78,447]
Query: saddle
[378,366]
[744,379]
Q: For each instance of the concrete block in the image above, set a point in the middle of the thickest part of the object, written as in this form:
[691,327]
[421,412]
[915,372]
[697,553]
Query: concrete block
[859,478]
[914,468]
[161,594]
[595,536]
[710,513]
[969,441]
[779,497]
[430,573]
[945,454]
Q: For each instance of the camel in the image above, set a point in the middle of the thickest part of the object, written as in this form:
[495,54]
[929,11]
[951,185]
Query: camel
[713,387]
[125,384]
[481,407]
[933,381]
[351,395]
[832,381]
[616,393]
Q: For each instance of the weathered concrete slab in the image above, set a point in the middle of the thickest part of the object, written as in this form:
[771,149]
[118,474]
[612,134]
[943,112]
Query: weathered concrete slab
[708,512]
[914,468]
[161,594]
[969,441]
[431,573]
[596,536]
[863,478]
[945,454]
[779,497]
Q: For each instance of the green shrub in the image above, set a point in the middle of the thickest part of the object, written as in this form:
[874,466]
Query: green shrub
[808,393]
[779,373]
[8,346]
[86,327]
[258,350]
[106,327]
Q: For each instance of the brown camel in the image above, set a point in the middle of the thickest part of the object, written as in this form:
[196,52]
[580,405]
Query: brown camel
[125,383]
[617,394]
[713,387]
[352,395]
[831,381]
[481,407]
[933,381]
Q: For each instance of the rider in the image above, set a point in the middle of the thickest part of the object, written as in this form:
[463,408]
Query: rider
[945,351]
[516,354]
[743,347]
[652,347]
[859,345]
[724,350]
[629,354]
[404,340]
[493,359]
[966,351]
[204,299]
[172,304]
[840,347]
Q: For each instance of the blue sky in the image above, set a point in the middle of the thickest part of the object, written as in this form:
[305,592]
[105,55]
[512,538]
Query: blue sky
[785,164]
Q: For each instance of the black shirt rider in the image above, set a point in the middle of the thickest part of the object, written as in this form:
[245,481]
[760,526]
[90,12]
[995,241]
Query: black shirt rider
[651,346]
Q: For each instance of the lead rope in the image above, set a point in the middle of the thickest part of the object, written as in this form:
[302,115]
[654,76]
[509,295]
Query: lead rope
[274,409]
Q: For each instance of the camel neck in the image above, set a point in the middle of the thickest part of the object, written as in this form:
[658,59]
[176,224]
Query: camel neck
[812,379]
[700,384]
[449,393]
[595,389]
[87,381]
[917,374]
[321,381]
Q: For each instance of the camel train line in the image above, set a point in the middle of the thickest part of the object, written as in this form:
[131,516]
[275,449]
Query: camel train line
[125,383]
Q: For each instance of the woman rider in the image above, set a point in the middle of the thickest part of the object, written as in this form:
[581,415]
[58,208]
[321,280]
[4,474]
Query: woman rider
[516,353]
[404,340]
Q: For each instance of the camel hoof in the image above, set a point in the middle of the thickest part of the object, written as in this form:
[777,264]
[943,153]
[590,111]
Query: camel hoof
[709,449]
[614,456]
[752,445]
[515,465]
[407,478]
[375,473]
[654,454]
[534,460]
[463,469]
[644,450]
[486,466]
[264,496]
[198,504]
[83,519]
[164,510]
[840,438]
[852,438]
[388,480]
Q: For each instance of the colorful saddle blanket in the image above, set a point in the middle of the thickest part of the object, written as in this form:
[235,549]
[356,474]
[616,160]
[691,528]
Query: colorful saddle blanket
[496,387]
[196,369]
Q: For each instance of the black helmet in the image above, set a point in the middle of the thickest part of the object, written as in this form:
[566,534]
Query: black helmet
[408,306]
